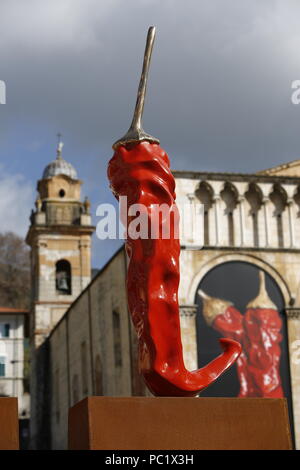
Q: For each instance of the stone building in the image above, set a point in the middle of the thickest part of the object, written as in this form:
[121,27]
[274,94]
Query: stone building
[85,337]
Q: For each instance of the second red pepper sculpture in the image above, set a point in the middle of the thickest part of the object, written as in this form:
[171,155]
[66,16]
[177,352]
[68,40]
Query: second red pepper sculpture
[140,170]
[259,331]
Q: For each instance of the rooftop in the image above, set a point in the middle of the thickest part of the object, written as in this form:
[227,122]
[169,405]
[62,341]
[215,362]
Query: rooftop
[14,311]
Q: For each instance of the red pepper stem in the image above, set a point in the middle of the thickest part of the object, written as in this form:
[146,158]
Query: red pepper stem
[136,132]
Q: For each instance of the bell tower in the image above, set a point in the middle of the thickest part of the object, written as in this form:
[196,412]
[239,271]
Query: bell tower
[60,239]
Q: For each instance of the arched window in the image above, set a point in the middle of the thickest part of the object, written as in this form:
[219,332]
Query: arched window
[63,277]
[205,195]
[117,339]
[229,196]
[279,199]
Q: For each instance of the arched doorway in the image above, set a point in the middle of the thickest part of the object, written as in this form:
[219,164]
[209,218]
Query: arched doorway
[237,282]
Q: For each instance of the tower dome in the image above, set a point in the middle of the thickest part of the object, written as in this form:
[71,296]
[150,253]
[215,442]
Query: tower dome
[59,166]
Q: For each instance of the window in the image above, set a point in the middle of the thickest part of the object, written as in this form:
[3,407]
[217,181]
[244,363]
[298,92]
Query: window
[4,330]
[63,277]
[117,339]
[62,193]
[2,366]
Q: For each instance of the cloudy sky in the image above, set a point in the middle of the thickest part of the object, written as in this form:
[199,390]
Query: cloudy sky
[219,95]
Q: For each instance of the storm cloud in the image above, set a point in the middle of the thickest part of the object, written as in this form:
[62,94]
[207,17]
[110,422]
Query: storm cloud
[219,95]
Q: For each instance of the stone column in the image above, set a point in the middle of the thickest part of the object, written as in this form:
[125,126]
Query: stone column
[290,204]
[217,187]
[266,189]
[242,223]
[193,223]
[266,219]
[216,201]
[189,335]
[186,200]
[191,198]
[293,326]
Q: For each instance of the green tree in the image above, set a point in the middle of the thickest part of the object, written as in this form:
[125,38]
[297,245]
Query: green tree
[14,271]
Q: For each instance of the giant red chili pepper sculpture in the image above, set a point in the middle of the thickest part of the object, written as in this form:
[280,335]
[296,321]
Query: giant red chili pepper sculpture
[140,170]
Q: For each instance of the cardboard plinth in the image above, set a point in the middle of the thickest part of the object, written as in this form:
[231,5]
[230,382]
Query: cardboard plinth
[9,424]
[162,423]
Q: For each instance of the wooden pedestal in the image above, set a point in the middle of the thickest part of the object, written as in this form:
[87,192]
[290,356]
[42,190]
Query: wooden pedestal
[142,423]
[9,424]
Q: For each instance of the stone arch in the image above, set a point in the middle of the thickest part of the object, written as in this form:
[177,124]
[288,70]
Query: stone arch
[254,196]
[279,197]
[230,195]
[205,193]
[237,281]
[246,258]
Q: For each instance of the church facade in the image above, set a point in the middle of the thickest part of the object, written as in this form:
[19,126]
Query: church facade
[82,339]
